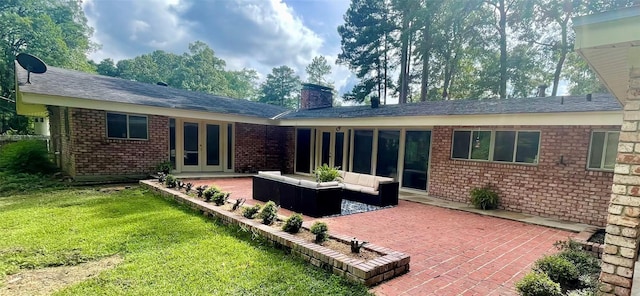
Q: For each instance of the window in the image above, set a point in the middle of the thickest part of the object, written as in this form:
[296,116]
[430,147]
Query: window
[362,151]
[126,126]
[502,146]
[603,150]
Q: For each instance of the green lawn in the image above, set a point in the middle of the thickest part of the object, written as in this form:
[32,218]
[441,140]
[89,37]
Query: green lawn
[167,249]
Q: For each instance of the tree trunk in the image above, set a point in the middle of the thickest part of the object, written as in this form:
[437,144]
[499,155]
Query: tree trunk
[404,38]
[426,51]
[560,63]
[502,27]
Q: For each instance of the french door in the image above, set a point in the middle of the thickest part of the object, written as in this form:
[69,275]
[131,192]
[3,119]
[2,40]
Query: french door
[331,148]
[202,146]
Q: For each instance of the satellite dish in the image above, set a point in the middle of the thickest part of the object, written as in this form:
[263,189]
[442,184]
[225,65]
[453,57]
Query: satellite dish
[31,64]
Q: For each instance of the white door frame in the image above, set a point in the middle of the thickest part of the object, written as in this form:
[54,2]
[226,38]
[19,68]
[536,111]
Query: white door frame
[202,138]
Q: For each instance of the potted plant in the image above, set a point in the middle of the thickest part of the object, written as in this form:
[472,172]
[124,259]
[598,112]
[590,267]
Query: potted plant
[325,173]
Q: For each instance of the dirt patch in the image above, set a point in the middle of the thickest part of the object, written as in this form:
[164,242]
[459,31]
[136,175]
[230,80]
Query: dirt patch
[47,280]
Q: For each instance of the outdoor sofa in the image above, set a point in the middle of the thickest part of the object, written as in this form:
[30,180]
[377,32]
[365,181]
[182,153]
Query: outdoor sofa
[373,190]
[301,196]
[325,198]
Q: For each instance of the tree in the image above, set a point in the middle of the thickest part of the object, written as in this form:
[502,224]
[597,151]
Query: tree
[196,70]
[281,88]
[54,30]
[365,43]
[317,71]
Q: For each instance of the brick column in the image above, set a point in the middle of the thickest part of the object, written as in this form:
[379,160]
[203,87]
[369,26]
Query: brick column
[621,240]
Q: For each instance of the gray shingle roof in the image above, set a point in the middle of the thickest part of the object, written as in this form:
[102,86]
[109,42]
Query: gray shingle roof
[599,102]
[68,83]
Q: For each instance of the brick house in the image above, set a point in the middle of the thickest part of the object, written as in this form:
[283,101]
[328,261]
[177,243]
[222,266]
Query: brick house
[546,156]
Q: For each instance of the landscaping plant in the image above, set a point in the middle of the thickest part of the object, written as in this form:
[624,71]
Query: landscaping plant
[188,187]
[269,213]
[251,212]
[210,192]
[484,198]
[200,190]
[30,156]
[239,202]
[219,198]
[164,167]
[321,231]
[325,173]
[293,223]
[538,284]
[572,270]
[170,181]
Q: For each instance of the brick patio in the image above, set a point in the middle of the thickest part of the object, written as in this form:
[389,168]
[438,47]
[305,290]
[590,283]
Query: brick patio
[452,252]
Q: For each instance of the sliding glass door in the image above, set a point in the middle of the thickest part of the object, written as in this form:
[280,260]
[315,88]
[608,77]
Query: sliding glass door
[416,159]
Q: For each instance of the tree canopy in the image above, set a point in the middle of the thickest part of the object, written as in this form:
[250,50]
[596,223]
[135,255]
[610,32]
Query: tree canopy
[282,88]
[55,31]
[456,49]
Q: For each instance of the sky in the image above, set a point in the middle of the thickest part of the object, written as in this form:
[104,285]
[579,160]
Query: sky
[257,34]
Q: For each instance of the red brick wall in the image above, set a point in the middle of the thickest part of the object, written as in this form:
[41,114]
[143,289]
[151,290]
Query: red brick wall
[263,147]
[568,192]
[95,155]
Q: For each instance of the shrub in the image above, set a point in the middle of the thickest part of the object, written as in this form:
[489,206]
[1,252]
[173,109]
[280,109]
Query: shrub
[170,181]
[30,156]
[251,212]
[321,231]
[538,284]
[484,198]
[325,173]
[239,202]
[293,224]
[164,167]
[269,213]
[210,192]
[219,198]
[559,270]
[187,187]
[200,190]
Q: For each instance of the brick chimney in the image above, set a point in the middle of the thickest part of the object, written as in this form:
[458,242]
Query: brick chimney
[315,96]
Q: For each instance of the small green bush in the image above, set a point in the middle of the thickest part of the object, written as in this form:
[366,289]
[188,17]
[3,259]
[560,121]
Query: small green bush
[164,167]
[170,181]
[269,213]
[251,212]
[538,284]
[210,192]
[559,270]
[219,198]
[325,173]
[30,156]
[484,198]
[293,224]
[321,231]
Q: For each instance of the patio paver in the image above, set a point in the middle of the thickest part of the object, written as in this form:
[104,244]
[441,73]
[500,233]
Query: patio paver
[452,252]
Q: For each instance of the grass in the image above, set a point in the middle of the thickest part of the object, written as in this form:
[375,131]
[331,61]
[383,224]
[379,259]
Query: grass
[21,183]
[167,249]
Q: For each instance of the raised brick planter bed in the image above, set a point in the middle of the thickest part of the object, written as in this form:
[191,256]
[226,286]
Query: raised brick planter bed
[389,265]
[583,239]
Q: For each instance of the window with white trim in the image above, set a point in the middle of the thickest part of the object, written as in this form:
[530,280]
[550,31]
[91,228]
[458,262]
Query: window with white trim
[127,126]
[603,150]
[500,146]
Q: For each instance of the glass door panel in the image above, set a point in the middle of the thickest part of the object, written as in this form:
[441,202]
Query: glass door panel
[213,145]
[416,159]
[303,151]
[362,151]
[339,150]
[388,145]
[191,144]
[325,150]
